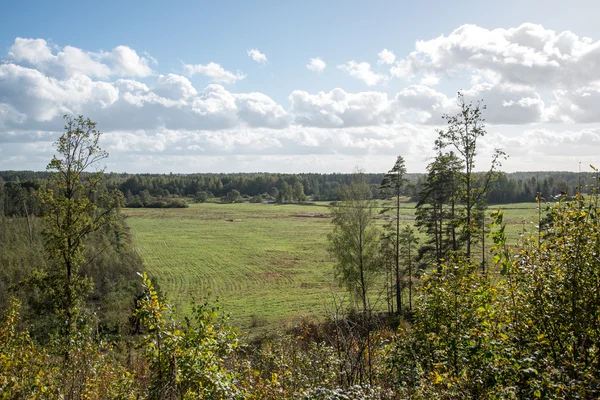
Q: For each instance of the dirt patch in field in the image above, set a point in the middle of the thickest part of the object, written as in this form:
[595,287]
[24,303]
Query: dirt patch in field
[312,215]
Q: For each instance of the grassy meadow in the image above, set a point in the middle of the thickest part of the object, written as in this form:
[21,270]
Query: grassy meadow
[268,264]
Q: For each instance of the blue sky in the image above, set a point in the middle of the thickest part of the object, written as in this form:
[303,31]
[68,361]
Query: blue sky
[174,88]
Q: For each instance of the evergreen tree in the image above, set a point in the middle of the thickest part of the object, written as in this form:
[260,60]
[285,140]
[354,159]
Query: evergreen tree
[438,213]
[464,128]
[392,186]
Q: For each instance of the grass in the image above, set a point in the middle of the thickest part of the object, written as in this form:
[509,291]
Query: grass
[268,264]
[263,262]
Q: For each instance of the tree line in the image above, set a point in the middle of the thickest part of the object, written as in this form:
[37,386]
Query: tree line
[18,189]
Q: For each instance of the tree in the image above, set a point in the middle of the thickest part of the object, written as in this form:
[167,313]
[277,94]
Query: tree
[201,197]
[233,196]
[407,242]
[464,128]
[285,193]
[75,207]
[354,241]
[392,185]
[274,192]
[299,192]
[437,212]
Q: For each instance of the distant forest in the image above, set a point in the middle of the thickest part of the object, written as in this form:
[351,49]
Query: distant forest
[18,188]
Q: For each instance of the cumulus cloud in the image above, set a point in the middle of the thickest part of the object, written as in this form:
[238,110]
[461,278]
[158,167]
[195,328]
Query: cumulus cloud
[128,63]
[386,57]
[545,148]
[316,64]
[214,71]
[172,87]
[422,104]
[338,108]
[532,80]
[29,99]
[528,54]
[508,104]
[257,56]
[363,72]
[258,109]
[429,80]
[69,60]
[32,51]
[578,105]
[42,98]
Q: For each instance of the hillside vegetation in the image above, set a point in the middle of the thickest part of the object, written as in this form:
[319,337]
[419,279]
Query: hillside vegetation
[442,298]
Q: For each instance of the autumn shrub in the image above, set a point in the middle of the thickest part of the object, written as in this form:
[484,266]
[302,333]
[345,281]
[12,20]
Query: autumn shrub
[529,329]
[186,360]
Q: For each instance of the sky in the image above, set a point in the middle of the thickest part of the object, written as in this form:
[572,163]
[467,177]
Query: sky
[299,86]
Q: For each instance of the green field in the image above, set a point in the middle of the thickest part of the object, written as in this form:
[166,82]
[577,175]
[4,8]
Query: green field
[268,264]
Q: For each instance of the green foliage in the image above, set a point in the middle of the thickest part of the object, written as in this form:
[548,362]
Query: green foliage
[111,267]
[407,252]
[392,186]
[31,371]
[186,361]
[533,333]
[201,197]
[233,196]
[354,241]
[75,207]
[23,373]
[298,192]
[438,212]
[463,131]
[555,285]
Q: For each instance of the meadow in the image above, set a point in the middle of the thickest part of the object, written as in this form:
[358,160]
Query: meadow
[266,263]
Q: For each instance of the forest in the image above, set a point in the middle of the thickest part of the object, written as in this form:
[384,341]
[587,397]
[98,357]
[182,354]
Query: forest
[81,320]
[167,190]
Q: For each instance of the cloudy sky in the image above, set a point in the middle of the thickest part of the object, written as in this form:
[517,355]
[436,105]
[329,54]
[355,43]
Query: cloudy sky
[303,86]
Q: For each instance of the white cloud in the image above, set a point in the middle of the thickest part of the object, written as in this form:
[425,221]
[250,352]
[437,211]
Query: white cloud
[316,64]
[338,108]
[214,71]
[43,98]
[579,105]
[173,87]
[257,56]
[546,149]
[127,62]
[528,54]
[258,109]
[508,104]
[532,80]
[386,57]
[70,60]
[31,100]
[422,104]
[363,72]
[32,51]
[429,80]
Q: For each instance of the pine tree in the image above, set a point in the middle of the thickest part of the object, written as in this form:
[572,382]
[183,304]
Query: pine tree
[438,213]
[464,128]
[392,186]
